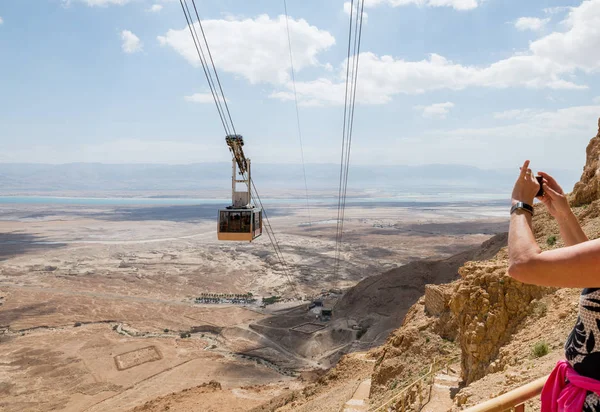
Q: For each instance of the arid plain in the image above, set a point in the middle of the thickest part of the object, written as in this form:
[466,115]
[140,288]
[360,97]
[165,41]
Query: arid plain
[95,299]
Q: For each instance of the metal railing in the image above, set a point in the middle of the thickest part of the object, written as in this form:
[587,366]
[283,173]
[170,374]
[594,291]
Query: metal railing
[407,396]
[513,400]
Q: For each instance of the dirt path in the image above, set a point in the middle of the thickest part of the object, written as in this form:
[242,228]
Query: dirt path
[445,381]
[360,399]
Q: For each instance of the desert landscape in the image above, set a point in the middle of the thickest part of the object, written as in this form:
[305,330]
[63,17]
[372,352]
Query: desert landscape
[99,308]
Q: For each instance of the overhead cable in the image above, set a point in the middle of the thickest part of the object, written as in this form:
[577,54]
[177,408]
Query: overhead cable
[355,33]
[287,25]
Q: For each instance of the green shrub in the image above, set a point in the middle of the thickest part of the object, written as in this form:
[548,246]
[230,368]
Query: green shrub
[166,331]
[540,349]
[540,309]
[271,300]
[551,241]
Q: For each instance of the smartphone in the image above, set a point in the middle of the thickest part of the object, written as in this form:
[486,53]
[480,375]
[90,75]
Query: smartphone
[540,180]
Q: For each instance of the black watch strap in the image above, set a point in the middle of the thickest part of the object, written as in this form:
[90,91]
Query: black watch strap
[523,206]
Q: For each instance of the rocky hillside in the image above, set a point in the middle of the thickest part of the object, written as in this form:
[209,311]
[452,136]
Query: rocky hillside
[379,303]
[508,333]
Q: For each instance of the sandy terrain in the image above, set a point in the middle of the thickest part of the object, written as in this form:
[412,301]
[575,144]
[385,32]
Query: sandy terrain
[94,299]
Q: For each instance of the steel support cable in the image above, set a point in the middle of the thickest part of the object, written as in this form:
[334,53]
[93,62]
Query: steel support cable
[337,230]
[287,26]
[275,243]
[213,66]
[347,128]
[206,73]
[348,123]
[358,29]
[220,98]
[272,236]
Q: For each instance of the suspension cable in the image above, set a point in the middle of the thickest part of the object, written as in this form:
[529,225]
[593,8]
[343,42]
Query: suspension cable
[202,62]
[213,65]
[287,26]
[274,242]
[349,106]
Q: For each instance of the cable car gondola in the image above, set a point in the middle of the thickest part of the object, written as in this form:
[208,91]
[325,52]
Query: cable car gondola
[241,221]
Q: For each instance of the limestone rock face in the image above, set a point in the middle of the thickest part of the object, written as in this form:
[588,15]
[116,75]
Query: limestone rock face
[588,188]
[489,306]
[408,350]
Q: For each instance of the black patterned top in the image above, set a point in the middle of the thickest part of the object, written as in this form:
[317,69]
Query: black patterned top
[583,345]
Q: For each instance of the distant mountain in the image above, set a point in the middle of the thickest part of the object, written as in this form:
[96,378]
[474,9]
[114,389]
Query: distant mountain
[96,177]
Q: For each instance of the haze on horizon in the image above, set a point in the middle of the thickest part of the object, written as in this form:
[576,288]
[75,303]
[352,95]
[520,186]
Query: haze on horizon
[198,179]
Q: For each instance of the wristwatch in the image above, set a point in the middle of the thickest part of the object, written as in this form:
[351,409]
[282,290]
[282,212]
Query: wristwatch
[523,206]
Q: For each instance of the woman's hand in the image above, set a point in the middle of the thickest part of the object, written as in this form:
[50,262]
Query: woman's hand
[526,186]
[554,198]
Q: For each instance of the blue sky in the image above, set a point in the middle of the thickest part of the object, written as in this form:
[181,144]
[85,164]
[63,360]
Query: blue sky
[485,83]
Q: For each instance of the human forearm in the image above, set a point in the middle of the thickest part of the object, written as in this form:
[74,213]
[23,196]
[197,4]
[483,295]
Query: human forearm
[522,246]
[570,229]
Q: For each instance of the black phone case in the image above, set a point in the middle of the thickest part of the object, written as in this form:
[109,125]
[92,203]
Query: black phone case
[540,180]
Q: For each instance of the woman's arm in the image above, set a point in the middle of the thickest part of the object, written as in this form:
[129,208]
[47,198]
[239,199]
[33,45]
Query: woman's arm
[558,206]
[570,229]
[576,266]
[570,267]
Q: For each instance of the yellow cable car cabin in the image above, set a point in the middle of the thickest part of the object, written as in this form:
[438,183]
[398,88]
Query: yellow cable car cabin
[241,221]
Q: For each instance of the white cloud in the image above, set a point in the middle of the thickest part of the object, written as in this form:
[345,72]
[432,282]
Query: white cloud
[551,139]
[439,110]
[577,48]
[155,8]
[98,3]
[530,23]
[256,49]
[551,62]
[380,78]
[1,20]
[556,10]
[516,114]
[131,42]
[201,98]
[456,4]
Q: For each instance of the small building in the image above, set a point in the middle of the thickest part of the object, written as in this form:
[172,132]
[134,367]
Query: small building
[326,314]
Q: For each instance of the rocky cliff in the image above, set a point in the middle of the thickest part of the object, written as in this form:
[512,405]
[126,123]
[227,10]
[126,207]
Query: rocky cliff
[587,189]
[381,302]
[497,320]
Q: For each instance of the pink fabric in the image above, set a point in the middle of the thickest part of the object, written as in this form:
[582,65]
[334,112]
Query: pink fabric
[559,396]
